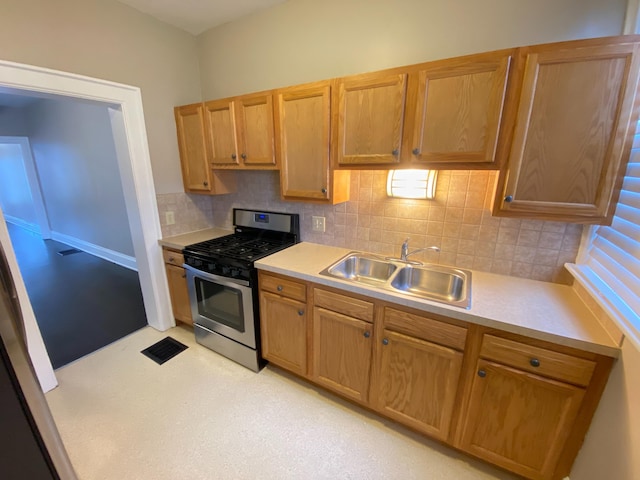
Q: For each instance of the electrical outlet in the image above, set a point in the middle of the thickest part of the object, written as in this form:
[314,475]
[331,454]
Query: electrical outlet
[170,218]
[317,224]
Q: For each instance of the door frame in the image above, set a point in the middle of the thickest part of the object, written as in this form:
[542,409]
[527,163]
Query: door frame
[34,182]
[134,162]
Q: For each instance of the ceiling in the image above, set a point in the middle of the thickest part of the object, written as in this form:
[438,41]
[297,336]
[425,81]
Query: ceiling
[196,16]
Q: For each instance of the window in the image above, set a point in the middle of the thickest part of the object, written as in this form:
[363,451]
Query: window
[609,263]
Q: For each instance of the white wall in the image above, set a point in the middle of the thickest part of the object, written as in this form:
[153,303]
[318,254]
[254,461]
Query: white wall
[75,155]
[308,40]
[12,121]
[610,450]
[15,192]
[108,40]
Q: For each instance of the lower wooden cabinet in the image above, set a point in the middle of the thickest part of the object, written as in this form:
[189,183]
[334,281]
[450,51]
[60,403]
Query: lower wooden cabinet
[283,324]
[519,403]
[418,383]
[178,291]
[342,347]
[518,420]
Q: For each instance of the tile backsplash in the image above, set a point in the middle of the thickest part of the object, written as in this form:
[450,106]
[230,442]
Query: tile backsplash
[458,221]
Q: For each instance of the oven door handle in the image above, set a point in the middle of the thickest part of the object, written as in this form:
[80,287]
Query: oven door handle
[228,281]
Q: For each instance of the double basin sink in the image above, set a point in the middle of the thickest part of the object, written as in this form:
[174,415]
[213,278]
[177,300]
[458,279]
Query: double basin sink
[437,283]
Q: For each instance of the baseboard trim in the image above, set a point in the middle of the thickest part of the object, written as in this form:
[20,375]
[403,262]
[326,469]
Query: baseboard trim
[104,253]
[32,227]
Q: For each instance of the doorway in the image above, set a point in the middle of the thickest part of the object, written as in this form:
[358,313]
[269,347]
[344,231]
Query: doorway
[129,132]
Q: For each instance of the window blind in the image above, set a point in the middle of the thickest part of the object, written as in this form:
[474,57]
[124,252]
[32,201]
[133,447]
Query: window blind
[611,259]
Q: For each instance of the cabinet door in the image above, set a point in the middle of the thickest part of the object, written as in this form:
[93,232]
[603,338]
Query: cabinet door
[221,129]
[303,129]
[193,148]
[518,420]
[342,353]
[255,122]
[179,294]
[458,110]
[418,383]
[572,135]
[370,119]
[283,324]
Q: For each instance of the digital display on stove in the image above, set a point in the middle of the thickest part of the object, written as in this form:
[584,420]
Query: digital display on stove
[261,218]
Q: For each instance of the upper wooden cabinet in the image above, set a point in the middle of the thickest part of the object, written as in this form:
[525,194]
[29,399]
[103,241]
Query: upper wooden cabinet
[454,111]
[303,131]
[240,132]
[197,176]
[193,149]
[573,131]
[370,114]
[444,114]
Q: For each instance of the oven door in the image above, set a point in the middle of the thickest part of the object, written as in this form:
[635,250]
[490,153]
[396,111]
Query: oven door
[223,305]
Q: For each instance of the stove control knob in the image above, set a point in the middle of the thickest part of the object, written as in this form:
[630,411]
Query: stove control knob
[211,267]
[226,270]
[235,272]
[197,263]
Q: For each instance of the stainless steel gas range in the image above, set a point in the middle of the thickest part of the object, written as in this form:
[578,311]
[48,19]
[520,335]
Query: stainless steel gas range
[223,282]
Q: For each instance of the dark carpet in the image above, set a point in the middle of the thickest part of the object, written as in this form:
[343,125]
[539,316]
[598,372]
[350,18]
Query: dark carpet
[81,302]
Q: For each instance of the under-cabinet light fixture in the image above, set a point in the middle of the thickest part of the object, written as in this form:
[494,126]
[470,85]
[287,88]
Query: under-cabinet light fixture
[412,184]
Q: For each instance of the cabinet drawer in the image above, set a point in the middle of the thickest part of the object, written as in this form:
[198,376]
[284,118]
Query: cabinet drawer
[352,307]
[173,257]
[284,287]
[425,328]
[537,360]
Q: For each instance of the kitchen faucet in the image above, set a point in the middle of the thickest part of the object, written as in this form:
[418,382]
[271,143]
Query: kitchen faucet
[404,251]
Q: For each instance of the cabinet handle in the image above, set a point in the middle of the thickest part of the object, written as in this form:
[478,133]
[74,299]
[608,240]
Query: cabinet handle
[279,288]
[233,156]
[367,334]
[184,275]
[395,152]
[206,184]
[300,312]
[324,190]
[244,156]
[534,362]
[508,198]
[385,341]
[416,151]
[171,259]
[482,373]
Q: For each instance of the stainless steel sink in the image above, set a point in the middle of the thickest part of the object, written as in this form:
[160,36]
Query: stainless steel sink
[438,283]
[362,268]
[435,282]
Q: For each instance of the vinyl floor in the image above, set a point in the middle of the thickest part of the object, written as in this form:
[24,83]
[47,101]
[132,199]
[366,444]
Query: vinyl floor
[81,302]
[200,416]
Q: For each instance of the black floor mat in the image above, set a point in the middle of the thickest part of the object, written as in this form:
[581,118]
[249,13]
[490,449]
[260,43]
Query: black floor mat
[164,350]
[70,251]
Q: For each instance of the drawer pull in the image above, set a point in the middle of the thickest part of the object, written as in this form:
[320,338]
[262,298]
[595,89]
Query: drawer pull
[367,334]
[171,259]
[300,312]
[534,362]
[482,373]
[385,341]
[279,288]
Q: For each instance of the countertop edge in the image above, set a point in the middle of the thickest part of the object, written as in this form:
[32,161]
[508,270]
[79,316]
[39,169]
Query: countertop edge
[441,309]
[178,242]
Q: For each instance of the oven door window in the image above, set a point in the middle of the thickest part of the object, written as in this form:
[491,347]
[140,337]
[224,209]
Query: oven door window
[220,303]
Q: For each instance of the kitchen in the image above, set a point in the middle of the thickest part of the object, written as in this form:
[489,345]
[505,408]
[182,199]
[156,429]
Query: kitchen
[397,47]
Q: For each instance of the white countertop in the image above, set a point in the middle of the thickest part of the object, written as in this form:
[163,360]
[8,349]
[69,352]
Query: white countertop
[180,241]
[542,310]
